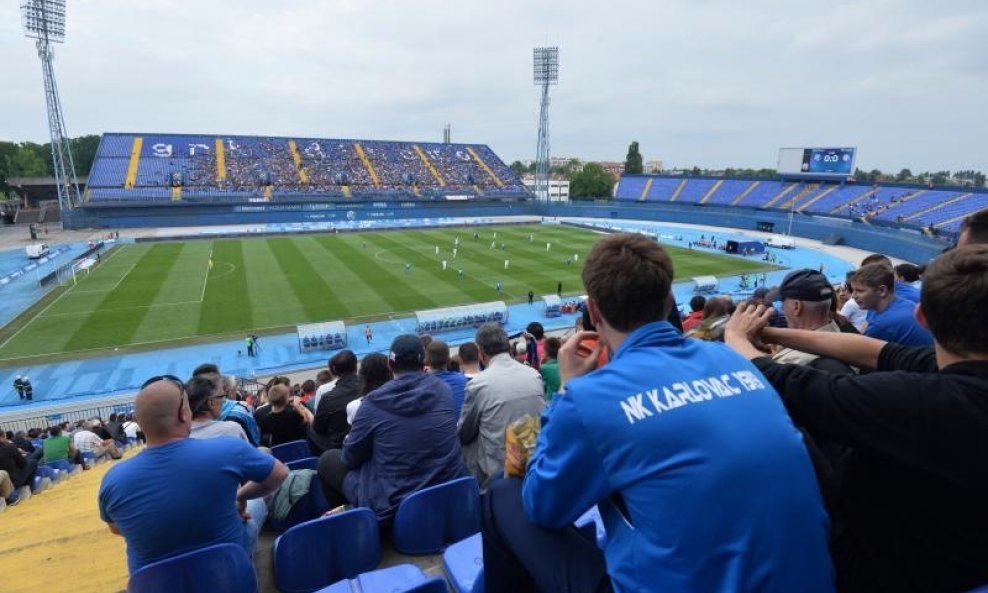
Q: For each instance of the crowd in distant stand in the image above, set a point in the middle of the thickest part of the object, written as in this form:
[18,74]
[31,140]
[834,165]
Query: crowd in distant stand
[328,167]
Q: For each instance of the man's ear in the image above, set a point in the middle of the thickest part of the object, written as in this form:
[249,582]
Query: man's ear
[595,317]
[921,316]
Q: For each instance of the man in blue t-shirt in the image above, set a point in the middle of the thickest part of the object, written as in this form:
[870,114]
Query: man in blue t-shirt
[437,363]
[890,317]
[702,481]
[181,494]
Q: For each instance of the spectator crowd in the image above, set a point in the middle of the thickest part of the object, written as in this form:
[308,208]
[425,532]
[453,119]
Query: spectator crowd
[814,438]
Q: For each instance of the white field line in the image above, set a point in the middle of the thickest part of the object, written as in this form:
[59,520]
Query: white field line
[42,312]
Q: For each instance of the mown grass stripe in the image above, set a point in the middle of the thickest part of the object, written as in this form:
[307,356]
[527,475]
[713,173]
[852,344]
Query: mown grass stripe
[225,306]
[354,275]
[111,324]
[318,300]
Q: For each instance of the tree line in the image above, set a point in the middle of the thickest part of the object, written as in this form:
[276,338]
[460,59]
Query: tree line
[29,159]
[592,180]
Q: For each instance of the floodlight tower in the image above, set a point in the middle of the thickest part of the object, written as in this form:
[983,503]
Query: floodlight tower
[546,74]
[44,21]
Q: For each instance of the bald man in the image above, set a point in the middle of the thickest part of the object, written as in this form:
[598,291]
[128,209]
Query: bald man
[180,494]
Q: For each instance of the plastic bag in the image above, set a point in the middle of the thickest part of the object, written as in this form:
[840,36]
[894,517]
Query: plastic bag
[519,442]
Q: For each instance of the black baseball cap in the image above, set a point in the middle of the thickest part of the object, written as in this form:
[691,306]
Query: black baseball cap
[804,285]
[407,351]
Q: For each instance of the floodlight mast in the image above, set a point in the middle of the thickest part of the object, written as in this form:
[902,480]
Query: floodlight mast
[546,73]
[44,21]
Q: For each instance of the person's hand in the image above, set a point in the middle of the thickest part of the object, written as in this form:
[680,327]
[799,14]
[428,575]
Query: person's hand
[242,508]
[571,362]
[747,323]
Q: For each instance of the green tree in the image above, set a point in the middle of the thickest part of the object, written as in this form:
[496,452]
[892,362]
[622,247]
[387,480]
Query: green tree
[29,160]
[519,168]
[84,152]
[940,178]
[875,176]
[633,163]
[592,182]
[860,175]
[904,175]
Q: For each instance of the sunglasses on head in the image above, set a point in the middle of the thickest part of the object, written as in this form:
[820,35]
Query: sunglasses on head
[170,378]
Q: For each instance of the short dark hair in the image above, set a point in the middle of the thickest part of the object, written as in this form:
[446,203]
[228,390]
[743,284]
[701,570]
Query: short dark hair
[535,328]
[875,275]
[308,386]
[491,339]
[343,363]
[876,258]
[552,347]
[628,276]
[908,272]
[976,227]
[206,367]
[697,302]
[468,352]
[955,290]
[374,372]
[437,355]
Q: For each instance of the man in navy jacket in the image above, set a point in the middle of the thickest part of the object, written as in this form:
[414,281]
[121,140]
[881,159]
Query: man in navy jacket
[403,438]
[703,483]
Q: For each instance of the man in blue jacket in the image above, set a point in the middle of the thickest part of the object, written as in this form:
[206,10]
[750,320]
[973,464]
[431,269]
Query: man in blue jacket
[703,483]
[403,438]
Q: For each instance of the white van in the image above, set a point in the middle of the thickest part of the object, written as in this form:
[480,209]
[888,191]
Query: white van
[36,251]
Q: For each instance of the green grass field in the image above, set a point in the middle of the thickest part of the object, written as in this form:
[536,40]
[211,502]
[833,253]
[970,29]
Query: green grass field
[155,293]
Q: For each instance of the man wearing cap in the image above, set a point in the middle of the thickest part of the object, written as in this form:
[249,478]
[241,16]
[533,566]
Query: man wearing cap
[403,438]
[806,296]
[181,494]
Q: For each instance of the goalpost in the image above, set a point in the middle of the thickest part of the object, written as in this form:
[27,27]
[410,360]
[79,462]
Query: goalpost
[77,269]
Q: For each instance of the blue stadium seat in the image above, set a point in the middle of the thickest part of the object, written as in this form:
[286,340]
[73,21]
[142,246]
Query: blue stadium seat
[292,451]
[55,475]
[464,565]
[311,506]
[402,578]
[214,569]
[304,463]
[981,589]
[432,518]
[324,553]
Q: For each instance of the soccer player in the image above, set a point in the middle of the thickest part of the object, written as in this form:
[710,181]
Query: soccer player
[498,287]
[507,264]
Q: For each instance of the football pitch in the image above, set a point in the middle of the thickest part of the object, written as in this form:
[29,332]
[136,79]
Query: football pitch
[155,294]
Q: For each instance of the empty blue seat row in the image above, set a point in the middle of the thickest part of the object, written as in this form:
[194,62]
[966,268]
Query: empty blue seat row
[323,342]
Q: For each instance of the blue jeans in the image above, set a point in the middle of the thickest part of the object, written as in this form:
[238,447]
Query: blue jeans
[258,510]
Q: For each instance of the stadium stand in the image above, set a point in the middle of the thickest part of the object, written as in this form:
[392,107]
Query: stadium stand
[161,167]
[941,209]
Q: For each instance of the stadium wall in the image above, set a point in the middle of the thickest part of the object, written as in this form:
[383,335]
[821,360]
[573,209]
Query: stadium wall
[181,215]
[907,244]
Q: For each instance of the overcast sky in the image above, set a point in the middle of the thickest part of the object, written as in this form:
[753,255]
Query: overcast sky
[714,83]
